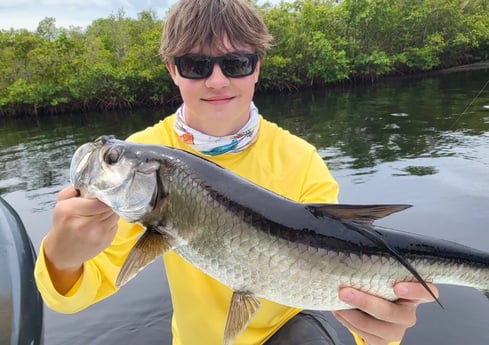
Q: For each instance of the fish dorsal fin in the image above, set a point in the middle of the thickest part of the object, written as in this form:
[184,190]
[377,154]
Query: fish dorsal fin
[244,306]
[149,246]
[357,213]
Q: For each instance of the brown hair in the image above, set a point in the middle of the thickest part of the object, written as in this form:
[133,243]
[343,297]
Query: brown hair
[206,23]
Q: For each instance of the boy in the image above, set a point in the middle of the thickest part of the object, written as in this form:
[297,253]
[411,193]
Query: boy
[213,50]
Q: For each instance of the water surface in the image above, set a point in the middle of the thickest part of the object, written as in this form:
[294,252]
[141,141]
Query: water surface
[415,141]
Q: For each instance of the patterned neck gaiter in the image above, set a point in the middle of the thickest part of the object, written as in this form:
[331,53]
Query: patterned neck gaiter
[215,146]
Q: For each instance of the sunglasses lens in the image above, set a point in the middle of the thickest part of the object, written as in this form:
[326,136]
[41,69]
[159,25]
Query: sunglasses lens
[194,67]
[236,66]
[201,66]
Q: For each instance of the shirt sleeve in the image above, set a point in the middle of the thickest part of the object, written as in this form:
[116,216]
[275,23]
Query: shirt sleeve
[98,278]
[99,274]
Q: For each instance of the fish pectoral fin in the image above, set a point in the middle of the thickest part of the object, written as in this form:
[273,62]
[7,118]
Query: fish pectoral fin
[357,213]
[243,308]
[150,246]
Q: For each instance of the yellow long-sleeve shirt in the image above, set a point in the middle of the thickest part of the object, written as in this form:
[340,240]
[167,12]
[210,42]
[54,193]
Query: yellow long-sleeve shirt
[278,161]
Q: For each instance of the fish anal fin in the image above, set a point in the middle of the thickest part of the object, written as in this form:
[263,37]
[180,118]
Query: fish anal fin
[358,213]
[243,308]
[147,249]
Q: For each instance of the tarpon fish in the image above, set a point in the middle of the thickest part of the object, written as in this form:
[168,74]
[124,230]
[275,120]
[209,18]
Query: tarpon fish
[258,243]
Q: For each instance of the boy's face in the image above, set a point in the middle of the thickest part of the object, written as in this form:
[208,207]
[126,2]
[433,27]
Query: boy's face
[217,105]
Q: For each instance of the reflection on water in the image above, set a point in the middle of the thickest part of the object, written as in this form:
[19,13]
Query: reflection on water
[419,170]
[413,141]
[35,156]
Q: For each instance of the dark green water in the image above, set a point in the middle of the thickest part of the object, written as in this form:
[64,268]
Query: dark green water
[416,141]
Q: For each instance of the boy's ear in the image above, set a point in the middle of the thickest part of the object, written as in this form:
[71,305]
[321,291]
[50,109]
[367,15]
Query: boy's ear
[172,70]
[257,71]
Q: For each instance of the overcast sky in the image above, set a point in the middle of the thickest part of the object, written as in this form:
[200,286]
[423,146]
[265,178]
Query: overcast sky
[26,14]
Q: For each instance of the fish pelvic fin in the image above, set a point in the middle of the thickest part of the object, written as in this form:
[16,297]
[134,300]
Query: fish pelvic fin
[358,213]
[147,249]
[242,309]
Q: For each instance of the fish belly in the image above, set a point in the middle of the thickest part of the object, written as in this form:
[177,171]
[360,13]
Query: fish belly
[290,273]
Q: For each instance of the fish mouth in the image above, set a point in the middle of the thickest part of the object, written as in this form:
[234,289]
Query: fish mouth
[79,164]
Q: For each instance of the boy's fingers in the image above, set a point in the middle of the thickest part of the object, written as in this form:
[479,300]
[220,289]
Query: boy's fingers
[67,193]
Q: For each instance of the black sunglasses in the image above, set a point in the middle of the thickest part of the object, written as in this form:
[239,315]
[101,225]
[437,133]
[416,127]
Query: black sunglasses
[235,65]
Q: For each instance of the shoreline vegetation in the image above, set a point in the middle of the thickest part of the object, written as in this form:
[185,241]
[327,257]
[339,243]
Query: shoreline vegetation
[113,64]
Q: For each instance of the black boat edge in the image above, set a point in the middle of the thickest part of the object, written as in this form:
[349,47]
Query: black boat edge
[21,306]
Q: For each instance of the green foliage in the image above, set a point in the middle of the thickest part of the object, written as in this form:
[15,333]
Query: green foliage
[114,62]
[373,65]
[276,74]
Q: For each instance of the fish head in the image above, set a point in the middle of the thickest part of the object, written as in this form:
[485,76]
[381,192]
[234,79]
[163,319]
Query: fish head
[111,171]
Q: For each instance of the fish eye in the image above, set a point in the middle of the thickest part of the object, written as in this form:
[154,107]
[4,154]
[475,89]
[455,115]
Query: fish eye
[112,155]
